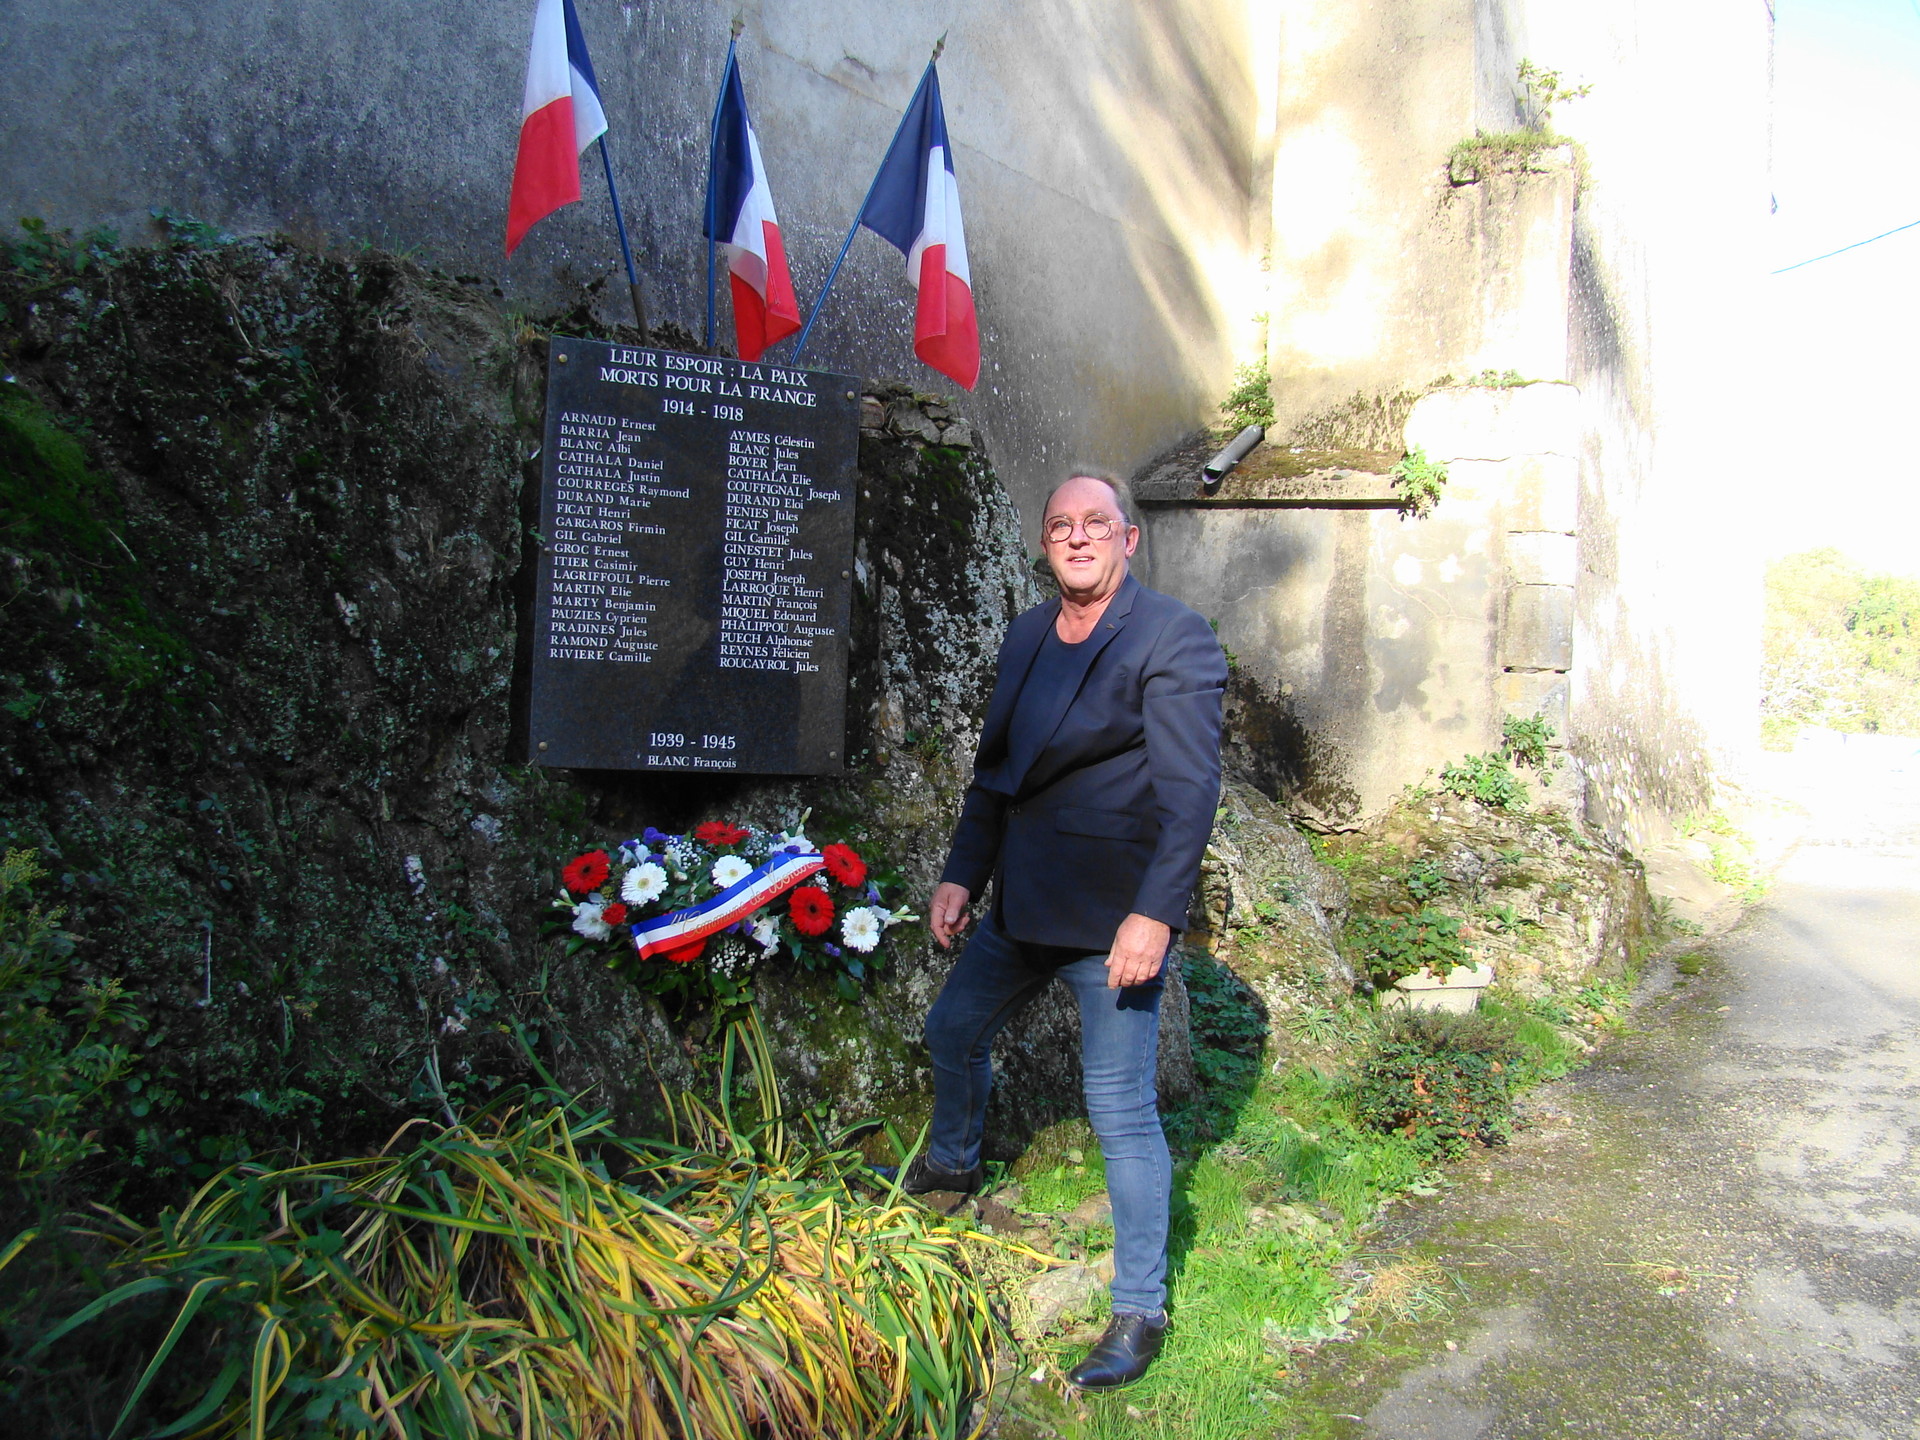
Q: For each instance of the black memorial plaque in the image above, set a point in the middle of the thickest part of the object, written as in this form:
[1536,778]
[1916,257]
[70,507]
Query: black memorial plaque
[691,606]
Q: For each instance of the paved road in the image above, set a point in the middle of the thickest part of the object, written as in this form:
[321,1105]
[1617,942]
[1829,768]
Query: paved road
[1716,1229]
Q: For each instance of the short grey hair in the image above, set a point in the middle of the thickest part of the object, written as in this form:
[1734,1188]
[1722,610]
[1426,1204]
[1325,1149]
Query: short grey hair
[1122,492]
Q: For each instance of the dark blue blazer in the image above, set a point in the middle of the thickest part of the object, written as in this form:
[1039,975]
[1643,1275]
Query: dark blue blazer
[1113,814]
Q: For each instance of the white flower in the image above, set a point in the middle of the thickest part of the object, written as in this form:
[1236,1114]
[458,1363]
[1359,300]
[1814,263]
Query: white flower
[586,919]
[643,883]
[766,934]
[861,928]
[730,957]
[728,869]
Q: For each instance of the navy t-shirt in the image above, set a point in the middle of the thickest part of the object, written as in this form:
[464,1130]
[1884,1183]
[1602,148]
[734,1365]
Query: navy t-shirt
[1040,696]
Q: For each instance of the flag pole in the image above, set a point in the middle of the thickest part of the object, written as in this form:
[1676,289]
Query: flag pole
[847,244]
[626,251]
[713,142]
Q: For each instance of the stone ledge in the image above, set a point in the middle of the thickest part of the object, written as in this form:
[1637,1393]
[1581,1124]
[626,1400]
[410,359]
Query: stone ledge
[1337,490]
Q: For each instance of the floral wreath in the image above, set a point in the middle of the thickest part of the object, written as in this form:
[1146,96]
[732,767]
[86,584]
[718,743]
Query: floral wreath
[695,914]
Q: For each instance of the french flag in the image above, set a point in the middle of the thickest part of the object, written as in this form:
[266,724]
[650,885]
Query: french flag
[915,206]
[740,217]
[560,118]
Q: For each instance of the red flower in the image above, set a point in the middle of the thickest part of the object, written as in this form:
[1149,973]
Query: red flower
[810,909]
[844,865]
[586,872]
[718,832]
[615,914]
[685,953]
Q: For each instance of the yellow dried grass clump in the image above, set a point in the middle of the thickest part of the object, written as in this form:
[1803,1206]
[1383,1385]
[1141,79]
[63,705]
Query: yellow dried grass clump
[527,1273]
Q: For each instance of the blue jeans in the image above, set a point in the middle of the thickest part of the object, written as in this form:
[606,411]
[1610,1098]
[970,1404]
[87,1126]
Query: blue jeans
[994,979]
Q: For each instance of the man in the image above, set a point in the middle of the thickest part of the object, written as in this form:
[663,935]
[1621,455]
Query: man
[1093,795]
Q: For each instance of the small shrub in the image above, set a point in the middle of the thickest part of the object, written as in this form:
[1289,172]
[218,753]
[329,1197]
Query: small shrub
[1250,401]
[1420,481]
[1440,1080]
[1545,89]
[1426,881]
[56,1059]
[1229,1031]
[1487,779]
[1525,742]
[1388,947]
[1490,778]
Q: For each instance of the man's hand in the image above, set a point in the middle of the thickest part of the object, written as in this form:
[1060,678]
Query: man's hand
[1139,949]
[947,912]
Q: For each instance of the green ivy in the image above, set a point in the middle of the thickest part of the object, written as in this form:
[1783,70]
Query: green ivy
[1388,947]
[1228,1032]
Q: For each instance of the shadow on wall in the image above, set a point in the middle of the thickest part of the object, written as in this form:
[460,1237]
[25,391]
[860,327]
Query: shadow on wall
[1644,756]
[1269,746]
[1145,159]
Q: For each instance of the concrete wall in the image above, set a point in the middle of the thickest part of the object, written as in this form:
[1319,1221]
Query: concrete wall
[1666,344]
[1395,645]
[1384,273]
[1105,154]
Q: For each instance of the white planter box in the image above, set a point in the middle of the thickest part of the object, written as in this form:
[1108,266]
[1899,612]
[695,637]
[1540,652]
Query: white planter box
[1459,992]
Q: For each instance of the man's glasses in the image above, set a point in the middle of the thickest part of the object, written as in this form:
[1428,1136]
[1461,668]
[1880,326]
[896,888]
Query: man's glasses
[1096,527]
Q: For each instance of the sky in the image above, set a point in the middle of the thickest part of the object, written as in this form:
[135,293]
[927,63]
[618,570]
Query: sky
[1845,467]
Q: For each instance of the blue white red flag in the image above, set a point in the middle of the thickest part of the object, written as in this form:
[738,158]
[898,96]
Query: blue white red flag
[560,116]
[740,218]
[682,928]
[915,206]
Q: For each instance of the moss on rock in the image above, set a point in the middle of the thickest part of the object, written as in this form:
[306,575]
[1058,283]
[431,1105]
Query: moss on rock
[266,552]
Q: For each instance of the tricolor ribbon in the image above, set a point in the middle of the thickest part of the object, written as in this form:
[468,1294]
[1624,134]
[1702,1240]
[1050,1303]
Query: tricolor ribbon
[680,928]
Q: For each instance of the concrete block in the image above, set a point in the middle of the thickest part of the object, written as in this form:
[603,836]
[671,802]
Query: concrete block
[1525,693]
[1488,481]
[1543,493]
[1537,630]
[1473,422]
[1540,558]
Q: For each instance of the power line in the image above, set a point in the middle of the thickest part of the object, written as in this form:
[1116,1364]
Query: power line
[1856,244]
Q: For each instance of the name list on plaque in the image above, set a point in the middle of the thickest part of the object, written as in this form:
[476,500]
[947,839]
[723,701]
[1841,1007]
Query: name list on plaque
[691,603]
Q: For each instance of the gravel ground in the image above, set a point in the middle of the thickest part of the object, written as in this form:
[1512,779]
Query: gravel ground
[1714,1230]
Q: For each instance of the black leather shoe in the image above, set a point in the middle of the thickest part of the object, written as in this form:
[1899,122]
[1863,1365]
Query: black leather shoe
[1122,1355]
[923,1177]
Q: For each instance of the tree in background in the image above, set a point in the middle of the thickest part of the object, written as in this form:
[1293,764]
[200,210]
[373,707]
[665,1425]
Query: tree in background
[1842,649]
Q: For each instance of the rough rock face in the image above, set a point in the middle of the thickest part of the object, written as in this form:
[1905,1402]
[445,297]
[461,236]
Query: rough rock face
[1542,897]
[1273,912]
[1546,898]
[259,689]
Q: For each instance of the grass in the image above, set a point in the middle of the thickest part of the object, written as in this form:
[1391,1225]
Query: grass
[529,1273]
[1271,1225]
[1729,854]
[1268,1224]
